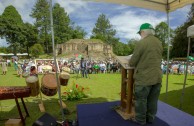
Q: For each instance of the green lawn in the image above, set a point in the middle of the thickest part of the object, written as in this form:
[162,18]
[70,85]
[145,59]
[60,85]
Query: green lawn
[103,88]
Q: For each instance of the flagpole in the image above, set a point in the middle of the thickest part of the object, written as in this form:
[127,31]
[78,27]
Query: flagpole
[168,54]
[185,79]
[55,61]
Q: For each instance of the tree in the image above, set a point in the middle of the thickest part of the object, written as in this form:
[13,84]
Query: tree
[162,34]
[11,26]
[121,49]
[77,32]
[131,45]
[3,50]
[191,14]
[103,30]
[41,13]
[36,50]
[61,23]
[31,35]
[180,40]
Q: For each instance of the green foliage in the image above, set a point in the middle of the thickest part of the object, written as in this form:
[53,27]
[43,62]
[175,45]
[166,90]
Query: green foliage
[63,31]
[162,34]
[3,50]
[103,30]
[41,14]
[36,50]
[78,32]
[76,92]
[11,27]
[191,14]
[180,40]
[121,49]
[31,36]
[12,16]
[61,23]
[131,44]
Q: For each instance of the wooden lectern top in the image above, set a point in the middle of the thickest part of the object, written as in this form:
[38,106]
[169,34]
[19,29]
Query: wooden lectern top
[124,61]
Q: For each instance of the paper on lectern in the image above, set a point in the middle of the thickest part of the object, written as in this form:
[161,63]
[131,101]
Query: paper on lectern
[124,61]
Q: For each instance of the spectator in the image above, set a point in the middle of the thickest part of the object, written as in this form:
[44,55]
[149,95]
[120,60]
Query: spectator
[4,67]
[33,71]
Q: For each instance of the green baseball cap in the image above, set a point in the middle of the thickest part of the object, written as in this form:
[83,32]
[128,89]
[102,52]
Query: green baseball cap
[145,26]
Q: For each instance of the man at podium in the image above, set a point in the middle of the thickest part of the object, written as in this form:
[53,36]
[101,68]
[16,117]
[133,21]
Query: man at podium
[146,59]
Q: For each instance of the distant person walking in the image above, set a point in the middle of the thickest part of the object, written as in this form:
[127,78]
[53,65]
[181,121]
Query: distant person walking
[4,67]
[8,63]
[83,68]
[15,65]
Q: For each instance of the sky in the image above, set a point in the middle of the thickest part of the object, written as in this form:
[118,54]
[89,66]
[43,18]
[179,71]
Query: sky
[126,20]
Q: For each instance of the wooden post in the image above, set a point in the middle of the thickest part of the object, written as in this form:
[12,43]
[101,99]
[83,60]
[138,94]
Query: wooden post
[130,91]
[127,90]
[19,110]
[123,88]
[126,108]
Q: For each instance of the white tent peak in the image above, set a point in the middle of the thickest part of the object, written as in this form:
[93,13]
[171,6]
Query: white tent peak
[190,31]
[160,5]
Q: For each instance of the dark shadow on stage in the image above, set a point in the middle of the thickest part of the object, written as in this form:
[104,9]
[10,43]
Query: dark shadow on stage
[157,122]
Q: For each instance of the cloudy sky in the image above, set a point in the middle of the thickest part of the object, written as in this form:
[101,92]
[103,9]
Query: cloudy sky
[125,19]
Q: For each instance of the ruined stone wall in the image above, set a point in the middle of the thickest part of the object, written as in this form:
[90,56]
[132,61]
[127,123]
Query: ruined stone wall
[84,46]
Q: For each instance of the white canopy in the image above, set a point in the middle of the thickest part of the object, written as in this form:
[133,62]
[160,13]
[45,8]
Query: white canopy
[160,5]
[22,54]
[190,31]
[4,54]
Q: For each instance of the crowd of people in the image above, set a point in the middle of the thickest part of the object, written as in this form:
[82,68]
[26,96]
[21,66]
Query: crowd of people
[177,67]
[84,66]
[75,66]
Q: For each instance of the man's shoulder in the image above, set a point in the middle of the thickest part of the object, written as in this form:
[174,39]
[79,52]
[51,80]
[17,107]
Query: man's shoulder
[151,38]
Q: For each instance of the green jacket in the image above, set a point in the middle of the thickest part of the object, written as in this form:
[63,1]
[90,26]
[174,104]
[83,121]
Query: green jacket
[146,59]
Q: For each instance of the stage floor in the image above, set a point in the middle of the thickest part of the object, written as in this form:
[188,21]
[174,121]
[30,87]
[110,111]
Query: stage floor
[102,114]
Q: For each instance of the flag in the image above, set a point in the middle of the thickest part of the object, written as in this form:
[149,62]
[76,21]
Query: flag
[80,56]
[76,55]
[191,58]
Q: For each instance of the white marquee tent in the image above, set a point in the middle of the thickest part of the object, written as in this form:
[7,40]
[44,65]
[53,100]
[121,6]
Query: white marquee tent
[159,5]
[190,32]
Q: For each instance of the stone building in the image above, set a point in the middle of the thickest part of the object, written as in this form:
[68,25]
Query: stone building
[87,47]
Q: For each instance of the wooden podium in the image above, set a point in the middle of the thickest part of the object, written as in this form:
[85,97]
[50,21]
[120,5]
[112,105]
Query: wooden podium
[126,109]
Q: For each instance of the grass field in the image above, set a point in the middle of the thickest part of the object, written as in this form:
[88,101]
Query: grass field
[103,88]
